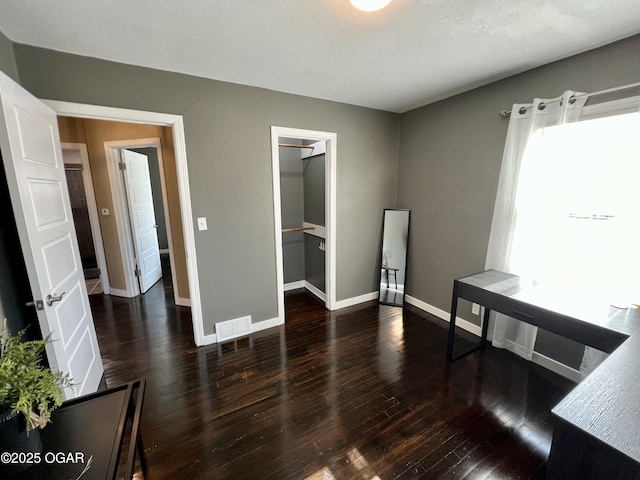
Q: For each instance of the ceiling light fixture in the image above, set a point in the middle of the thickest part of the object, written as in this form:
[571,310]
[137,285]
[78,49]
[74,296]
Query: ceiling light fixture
[370,5]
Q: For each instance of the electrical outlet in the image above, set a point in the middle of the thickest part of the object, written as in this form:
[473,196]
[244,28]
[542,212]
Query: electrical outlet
[475,309]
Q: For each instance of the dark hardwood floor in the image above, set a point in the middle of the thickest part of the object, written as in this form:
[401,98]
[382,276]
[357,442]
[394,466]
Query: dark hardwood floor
[360,393]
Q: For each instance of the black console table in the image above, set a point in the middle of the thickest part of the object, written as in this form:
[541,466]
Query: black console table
[597,426]
[599,326]
[93,427]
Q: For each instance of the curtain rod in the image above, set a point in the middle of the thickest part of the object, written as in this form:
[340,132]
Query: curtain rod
[506,113]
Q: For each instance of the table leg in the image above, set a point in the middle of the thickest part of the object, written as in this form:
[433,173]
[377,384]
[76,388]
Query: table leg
[452,327]
[485,326]
[452,321]
[135,414]
[143,457]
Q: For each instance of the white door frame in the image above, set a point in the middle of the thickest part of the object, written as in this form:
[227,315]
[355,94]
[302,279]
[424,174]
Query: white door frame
[331,157]
[176,123]
[94,219]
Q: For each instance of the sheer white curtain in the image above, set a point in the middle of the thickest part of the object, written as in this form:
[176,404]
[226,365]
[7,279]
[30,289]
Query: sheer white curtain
[506,250]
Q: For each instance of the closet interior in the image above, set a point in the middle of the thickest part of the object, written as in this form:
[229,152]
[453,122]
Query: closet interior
[302,199]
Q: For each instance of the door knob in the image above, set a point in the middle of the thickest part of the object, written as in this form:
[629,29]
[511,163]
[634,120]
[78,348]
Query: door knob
[51,299]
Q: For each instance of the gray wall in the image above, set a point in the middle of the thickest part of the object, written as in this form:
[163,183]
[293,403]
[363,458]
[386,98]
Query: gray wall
[156,192]
[314,184]
[449,164]
[7,58]
[227,129]
[314,212]
[292,208]
[314,264]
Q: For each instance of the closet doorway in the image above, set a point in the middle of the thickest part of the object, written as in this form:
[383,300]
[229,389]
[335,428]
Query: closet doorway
[304,196]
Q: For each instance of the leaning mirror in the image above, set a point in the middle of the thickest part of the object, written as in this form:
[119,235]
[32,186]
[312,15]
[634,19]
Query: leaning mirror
[395,247]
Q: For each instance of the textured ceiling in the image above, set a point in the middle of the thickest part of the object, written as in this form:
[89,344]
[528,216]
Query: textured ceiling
[411,53]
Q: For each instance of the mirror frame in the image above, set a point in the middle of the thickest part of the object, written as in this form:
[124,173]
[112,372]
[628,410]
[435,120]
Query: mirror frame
[380,256]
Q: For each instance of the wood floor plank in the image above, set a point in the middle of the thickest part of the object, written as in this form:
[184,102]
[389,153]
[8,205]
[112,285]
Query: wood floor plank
[361,393]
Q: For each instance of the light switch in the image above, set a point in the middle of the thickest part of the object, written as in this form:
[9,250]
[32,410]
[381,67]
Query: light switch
[105,211]
[202,223]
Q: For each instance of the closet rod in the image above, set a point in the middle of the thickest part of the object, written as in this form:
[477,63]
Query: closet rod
[291,145]
[297,229]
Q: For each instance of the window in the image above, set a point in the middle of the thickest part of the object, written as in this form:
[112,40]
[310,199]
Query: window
[578,207]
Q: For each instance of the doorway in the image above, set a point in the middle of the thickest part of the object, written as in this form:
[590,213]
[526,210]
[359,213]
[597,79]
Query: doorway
[176,125]
[135,202]
[323,235]
[85,217]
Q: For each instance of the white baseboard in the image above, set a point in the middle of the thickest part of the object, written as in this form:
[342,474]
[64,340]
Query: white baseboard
[316,291]
[255,327]
[183,302]
[348,302]
[209,339]
[538,358]
[294,285]
[116,292]
[461,322]
[556,367]
[304,284]
[264,324]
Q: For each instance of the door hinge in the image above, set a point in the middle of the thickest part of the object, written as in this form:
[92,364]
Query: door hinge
[137,272]
[123,166]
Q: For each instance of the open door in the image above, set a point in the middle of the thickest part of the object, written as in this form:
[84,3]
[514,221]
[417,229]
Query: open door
[30,144]
[143,218]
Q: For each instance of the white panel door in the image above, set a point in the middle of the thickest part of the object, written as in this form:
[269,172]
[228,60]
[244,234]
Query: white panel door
[32,158]
[143,218]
